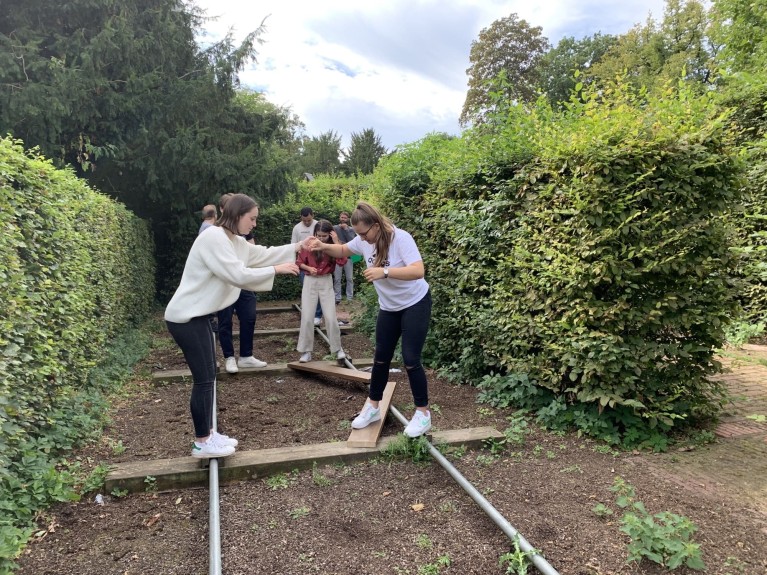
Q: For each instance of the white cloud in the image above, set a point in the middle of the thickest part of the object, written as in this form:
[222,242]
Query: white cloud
[398,66]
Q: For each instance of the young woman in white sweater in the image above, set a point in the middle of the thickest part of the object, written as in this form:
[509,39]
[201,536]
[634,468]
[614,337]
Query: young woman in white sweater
[219,265]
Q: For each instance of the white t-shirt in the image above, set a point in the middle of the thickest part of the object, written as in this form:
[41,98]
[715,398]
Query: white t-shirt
[394,295]
[301,232]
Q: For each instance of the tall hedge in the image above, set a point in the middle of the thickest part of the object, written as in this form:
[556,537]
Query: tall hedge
[580,262]
[76,268]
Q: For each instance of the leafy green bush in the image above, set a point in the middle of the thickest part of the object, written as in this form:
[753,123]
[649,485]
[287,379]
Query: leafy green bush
[582,257]
[76,269]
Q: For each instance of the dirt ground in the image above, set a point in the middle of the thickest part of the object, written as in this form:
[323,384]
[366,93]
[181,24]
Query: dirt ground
[380,517]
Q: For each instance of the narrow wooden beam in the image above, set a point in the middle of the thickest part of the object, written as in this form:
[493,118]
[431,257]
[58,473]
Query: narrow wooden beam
[368,436]
[179,375]
[186,472]
[332,370]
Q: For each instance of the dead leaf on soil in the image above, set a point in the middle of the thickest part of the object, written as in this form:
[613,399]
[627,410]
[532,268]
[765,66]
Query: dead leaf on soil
[152,520]
[417,506]
[386,493]
[178,500]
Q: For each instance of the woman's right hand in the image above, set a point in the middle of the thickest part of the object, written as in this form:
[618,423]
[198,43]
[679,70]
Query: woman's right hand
[288,269]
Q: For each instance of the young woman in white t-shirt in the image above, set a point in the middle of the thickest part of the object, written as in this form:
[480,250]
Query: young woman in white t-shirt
[395,267]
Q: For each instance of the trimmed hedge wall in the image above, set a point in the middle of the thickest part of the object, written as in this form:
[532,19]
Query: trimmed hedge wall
[76,269]
[580,262]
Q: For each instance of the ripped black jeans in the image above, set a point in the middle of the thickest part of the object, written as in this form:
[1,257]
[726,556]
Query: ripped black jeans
[412,325]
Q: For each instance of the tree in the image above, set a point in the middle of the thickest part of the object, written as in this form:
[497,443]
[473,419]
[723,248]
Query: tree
[322,154]
[508,48]
[654,54]
[120,90]
[558,65]
[364,152]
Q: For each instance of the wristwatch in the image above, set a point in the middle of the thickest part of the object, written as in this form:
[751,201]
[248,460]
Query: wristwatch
[386,273]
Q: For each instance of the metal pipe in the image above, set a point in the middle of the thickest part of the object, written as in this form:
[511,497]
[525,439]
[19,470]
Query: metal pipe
[214,509]
[536,558]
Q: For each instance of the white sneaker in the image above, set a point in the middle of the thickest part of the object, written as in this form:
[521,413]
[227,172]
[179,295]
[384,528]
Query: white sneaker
[420,424]
[368,415]
[231,365]
[211,449]
[250,362]
[317,321]
[340,354]
[225,440]
[305,358]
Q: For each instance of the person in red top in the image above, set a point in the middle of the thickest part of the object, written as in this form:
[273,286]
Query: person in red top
[318,269]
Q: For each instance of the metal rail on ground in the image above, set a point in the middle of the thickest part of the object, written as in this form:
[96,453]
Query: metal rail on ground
[535,557]
[214,512]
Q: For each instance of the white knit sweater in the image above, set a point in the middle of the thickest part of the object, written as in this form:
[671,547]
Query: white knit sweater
[217,268]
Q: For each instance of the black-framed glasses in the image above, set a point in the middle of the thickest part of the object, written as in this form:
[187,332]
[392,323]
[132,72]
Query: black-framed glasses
[364,235]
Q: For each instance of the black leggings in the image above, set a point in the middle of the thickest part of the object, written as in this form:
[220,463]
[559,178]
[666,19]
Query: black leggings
[412,324]
[195,338]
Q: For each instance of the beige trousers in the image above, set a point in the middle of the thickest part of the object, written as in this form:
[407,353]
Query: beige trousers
[318,288]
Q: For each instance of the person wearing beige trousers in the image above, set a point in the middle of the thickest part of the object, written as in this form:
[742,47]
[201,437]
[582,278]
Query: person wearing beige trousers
[318,286]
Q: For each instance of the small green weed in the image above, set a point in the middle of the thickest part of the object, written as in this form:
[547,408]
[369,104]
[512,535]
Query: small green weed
[318,478]
[602,510]
[448,507]
[436,567]
[572,469]
[485,412]
[150,483]
[299,512]
[117,492]
[486,460]
[272,399]
[278,481]
[403,447]
[516,561]
[424,542]
[95,479]
[664,538]
[757,417]
[344,424]
[117,447]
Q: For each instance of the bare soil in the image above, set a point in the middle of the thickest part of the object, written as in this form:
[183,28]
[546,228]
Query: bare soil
[381,517]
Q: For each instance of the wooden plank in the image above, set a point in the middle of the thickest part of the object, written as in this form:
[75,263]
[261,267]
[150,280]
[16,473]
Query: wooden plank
[180,375]
[333,370]
[368,436]
[282,330]
[186,472]
[261,308]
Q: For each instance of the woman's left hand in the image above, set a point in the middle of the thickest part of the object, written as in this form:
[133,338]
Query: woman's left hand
[373,274]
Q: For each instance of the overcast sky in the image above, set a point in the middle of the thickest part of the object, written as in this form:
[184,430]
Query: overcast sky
[397,66]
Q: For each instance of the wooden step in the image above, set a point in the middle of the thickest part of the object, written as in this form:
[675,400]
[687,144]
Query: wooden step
[331,369]
[368,436]
[184,472]
[179,375]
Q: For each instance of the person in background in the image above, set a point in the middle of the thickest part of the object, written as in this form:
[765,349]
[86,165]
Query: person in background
[208,217]
[395,267]
[219,265]
[301,230]
[344,233]
[318,289]
[245,308]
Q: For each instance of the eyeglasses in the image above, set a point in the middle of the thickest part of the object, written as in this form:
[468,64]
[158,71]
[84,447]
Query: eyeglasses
[364,235]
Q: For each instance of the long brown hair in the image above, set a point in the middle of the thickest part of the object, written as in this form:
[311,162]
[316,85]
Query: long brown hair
[237,205]
[368,216]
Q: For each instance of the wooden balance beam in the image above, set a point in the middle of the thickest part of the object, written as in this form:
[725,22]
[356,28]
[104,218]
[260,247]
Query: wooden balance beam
[368,436]
[332,370]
